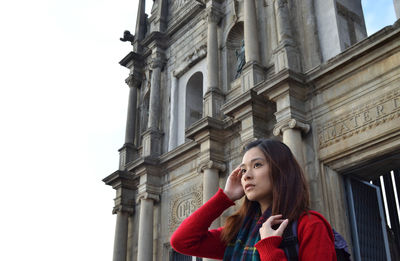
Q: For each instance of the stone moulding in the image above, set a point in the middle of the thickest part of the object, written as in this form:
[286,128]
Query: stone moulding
[181,13]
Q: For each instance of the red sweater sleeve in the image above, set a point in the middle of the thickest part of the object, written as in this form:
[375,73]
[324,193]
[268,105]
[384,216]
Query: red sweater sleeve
[315,237]
[193,237]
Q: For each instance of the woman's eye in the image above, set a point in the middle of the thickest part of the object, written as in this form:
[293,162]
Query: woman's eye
[242,171]
[256,165]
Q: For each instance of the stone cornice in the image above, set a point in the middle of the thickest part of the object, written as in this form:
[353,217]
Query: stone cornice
[142,161]
[271,88]
[239,103]
[184,20]
[158,39]
[205,123]
[364,48]
[121,179]
[178,152]
[130,59]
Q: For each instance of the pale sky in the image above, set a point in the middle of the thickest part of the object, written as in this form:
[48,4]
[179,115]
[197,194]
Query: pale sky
[63,103]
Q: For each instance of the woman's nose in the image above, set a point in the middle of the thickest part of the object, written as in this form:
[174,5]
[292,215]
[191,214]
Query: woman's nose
[247,175]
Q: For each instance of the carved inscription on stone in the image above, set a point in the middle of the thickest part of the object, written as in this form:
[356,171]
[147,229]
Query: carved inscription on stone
[184,204]
[382,109]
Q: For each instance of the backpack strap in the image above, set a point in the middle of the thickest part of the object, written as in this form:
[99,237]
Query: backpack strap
[290,243]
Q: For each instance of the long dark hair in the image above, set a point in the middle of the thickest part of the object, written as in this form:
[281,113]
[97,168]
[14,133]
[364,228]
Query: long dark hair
[290,194]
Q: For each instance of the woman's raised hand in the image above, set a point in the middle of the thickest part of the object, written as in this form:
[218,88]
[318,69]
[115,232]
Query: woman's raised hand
[233,187]
[266,229]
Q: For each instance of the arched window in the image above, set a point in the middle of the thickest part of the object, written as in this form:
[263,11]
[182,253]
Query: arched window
[194,99]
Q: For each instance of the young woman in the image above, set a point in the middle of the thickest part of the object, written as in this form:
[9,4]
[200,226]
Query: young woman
[276,194]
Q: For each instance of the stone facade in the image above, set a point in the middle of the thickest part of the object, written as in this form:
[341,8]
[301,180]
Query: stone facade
[311,78]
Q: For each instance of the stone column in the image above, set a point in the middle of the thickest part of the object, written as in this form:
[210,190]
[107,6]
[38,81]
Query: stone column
[211,171]
[212,50]
[152,136]
[210,183]
[214,97]
[283,20]
[397,8]
[173,132]
[145,235]
[125,186]
[131,118]
[253,72]
[128,152]
[291,132]
[250,32]
[286,55]
[121,236]
[154,102]
[210,186]
[141,25]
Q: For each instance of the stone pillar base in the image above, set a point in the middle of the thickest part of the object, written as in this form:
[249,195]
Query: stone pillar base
[127,154]
[152,143]
[213,100]
[252,74]
[286,57]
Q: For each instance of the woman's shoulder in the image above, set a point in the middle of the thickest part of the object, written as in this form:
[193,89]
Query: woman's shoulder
[312,216]
[313,219]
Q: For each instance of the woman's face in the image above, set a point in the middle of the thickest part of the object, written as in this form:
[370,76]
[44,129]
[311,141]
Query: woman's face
[256,178]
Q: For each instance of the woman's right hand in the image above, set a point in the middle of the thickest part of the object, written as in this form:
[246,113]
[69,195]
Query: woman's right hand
[233,187]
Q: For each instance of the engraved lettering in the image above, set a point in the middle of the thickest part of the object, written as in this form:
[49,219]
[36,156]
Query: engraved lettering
[379,110]
[185,208]
[321,138]
[355,120]
[367,118]
[343,127]
[367,115]
[184,204]
[332,132]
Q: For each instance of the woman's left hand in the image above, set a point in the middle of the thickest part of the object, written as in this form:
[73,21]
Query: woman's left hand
[266,229]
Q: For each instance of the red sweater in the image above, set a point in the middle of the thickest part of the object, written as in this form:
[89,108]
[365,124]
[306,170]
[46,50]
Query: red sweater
[193,237]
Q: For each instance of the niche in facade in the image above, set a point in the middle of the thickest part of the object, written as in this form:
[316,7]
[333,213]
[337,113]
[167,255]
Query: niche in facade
[194,99]
[233,46]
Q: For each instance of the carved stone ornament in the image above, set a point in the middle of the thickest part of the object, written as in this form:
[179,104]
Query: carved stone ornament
[292,124]
[132,81]
[211,165]
[190,60]
[184,204]
[157,63]
[214,15]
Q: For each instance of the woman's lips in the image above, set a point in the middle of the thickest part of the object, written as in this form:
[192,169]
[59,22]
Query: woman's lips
[249,187]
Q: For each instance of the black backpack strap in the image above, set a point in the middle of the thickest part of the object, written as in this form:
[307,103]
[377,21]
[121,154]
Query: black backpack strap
[290,243]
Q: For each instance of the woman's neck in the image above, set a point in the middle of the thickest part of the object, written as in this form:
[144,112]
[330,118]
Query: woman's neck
[264,205]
